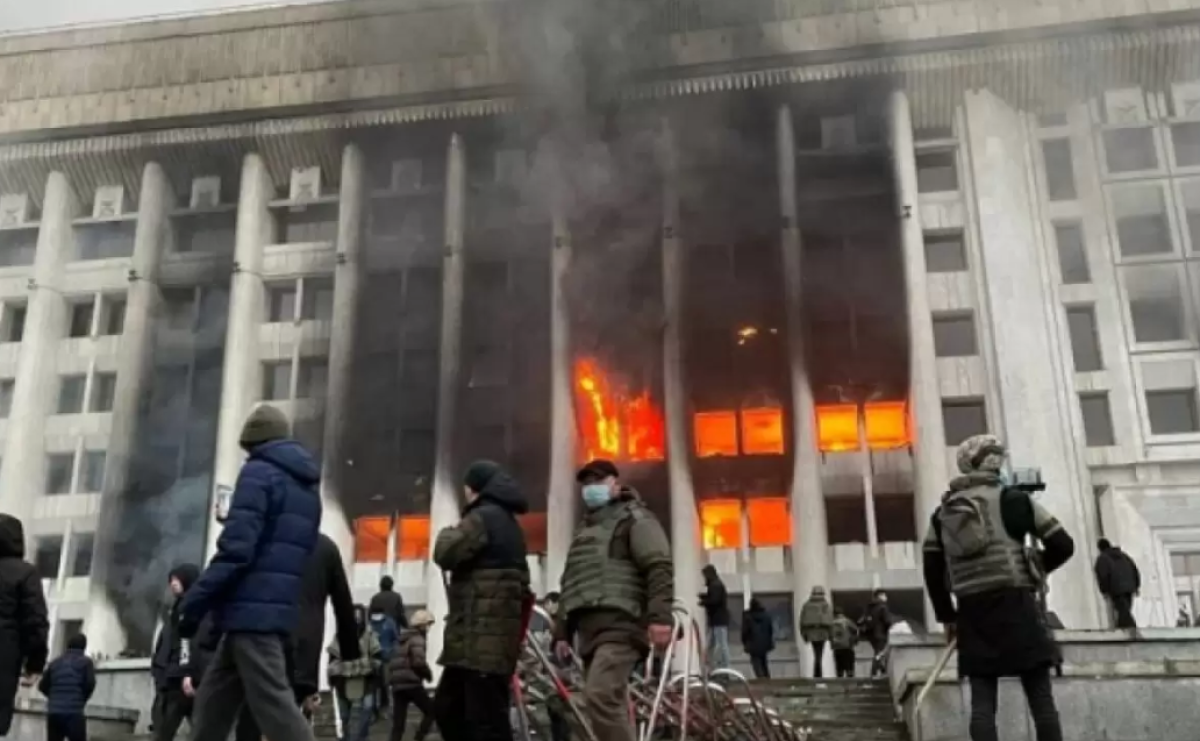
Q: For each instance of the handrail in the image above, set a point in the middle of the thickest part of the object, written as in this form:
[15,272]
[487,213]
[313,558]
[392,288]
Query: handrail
[916,729]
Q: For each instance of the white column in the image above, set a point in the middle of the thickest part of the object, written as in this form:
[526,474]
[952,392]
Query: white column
[1035,415]
[155,200]
[347,278]
[22,479]
[447,483]
[810,539]
[685,525]
[868,481]
[241,375]
[924,396]
[562,501]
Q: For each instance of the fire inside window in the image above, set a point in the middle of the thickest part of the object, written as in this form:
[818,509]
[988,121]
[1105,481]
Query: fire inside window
[887,426]
[769,522]
[412,539]
[533,525]
[717,433]
[371,539]
[614,424]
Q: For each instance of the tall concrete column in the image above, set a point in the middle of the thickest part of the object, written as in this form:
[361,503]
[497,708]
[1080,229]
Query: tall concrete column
[348,275]
[155,200]
[868,482]
[22,479]
[1035,414]
[685,524]
[810,539]
[562,501]
[241,374]
[447,483]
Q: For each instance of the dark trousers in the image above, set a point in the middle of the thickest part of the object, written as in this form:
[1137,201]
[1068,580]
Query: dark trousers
[758,662]
[879,661]
[560,725]
[171,708]
[843,660]
[1123,606]
[248,670]
[66,727]
[818,649]
[472,706]
[400,701]
[1038,693]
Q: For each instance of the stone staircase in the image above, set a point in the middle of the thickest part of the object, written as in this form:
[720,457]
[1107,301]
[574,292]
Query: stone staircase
[832,710]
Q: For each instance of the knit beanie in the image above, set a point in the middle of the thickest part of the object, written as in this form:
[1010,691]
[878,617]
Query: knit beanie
[77,642]
[265,423]
[480,473]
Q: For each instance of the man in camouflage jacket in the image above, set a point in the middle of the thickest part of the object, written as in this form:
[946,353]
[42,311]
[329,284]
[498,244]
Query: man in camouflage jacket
[487,589]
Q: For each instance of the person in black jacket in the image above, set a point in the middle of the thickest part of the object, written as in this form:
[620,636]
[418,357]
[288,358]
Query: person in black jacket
[715,601]
[169,666]
[389,602]
[23,624]
[1119,580]
[68,684]
[758,638]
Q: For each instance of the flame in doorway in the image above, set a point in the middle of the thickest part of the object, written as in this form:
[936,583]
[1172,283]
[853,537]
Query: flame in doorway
[613,424]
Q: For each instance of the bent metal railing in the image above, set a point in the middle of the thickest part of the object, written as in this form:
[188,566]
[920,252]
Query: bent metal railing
[915,729]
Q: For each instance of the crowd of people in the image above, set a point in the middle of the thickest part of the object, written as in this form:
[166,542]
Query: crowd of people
[241,646]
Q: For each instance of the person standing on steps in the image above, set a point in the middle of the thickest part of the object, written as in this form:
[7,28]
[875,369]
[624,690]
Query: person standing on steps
[816,620]
[408,671]
[389,602]
[169,666]
[843,637]
[68,684]
[715,601]
[1119,580]
[758,638]
[983,582]
[876,625]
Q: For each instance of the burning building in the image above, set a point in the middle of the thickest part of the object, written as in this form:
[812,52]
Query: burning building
[793,254]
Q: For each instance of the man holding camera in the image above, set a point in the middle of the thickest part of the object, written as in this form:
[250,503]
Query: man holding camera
[976,551]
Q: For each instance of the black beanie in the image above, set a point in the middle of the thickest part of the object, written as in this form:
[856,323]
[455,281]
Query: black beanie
[265,423]
[77,642]
[479,474]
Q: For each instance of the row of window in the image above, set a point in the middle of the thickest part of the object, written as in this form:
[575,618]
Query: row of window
[48,553]
[74,395]
[310,375]
[303,299]
[75,473]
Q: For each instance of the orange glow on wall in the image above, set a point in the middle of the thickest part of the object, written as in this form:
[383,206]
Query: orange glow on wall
[887,425]
[762,431]
[612,424]
[837,427]
[412,539]
[770,521]
[533,524]
[370,539]
[721,523]
[716,434]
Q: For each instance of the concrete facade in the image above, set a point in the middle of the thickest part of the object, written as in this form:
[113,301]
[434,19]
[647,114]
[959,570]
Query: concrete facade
[230,167]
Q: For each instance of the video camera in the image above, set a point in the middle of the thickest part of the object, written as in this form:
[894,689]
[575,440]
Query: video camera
[1028,480]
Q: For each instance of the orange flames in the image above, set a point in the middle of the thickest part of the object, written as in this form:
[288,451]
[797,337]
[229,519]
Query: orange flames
[613,425]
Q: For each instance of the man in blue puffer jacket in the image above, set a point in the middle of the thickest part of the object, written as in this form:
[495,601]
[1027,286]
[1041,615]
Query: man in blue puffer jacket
[253,583]
[68,684]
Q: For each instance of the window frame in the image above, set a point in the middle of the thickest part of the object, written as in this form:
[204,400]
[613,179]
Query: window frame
[941,318]
[1186,307]
[1110,430]
[962,402]
[1169,209]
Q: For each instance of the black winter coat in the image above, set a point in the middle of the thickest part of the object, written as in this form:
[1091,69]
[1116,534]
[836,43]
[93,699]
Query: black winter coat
[68,683]
[324,581]
[1117,574]
[168,665]
[715,601]
[391,604]
[758,632]
[23,624]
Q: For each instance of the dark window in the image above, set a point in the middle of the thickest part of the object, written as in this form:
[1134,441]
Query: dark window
[70,394]
[12,329]
[104,241]
[179,308]
[313,224]
[7,386]
[81,319]
[1172,412]
[277,380]
[1142,224]
[846,519]
[1130,150]
[112,315]
[1097,420]
[18,247]
[208,233]
[1186,138]
[1072,254]
[47,555]
[417,451]
[313,378]
[945,253]
[91,474]
[489,366]
[1158,316]
[81,563]
[104,392]
[58,473]
[963,418]
[281,302]
[318,299]
[937,172]
[954,336]
[1060,173]
[1085,344]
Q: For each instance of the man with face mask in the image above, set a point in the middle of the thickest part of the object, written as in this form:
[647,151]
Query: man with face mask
[617,589]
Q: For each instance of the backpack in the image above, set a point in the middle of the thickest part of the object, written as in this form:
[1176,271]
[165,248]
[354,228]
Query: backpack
[963,527]
[841,635]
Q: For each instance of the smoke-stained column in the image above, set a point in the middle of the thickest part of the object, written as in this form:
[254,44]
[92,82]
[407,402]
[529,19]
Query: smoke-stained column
[810,539]
[444,509]
[23,476]
[240,375]
[155,200]
[685,527]
[868,482]
[347,277]
[562,503]
[1035,414]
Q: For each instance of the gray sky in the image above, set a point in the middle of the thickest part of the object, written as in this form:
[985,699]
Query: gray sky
[19,15]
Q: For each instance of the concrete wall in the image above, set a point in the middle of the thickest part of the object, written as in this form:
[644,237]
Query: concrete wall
[103,723]
[1114,688]
[126,684]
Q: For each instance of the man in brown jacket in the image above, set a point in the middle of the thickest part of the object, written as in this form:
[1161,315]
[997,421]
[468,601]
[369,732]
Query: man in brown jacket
[408,671]
[487,591]
[617,590]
